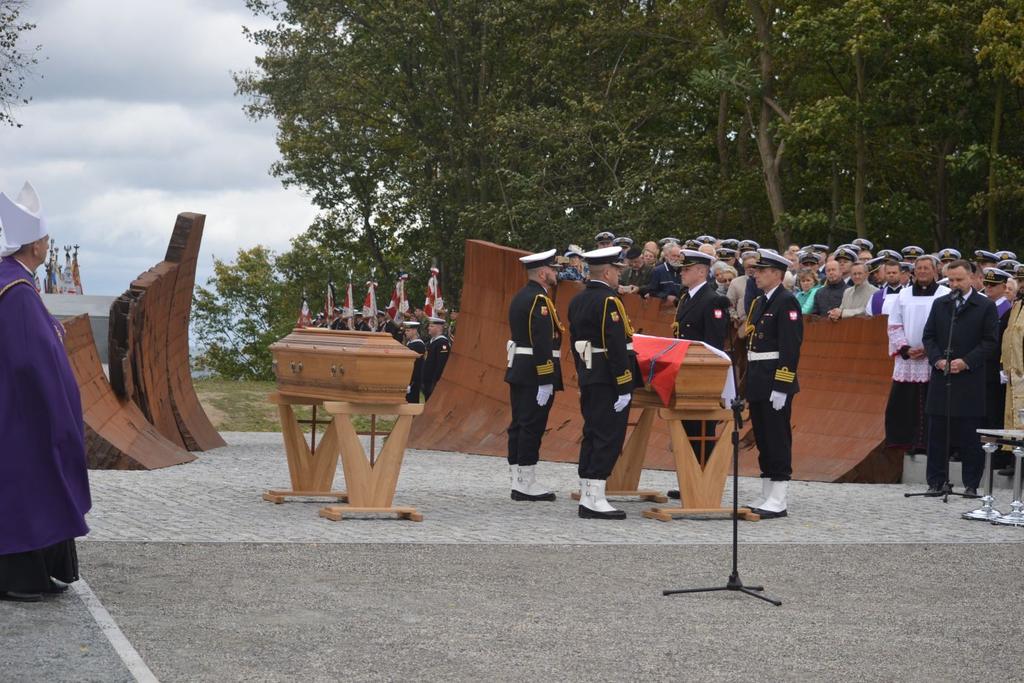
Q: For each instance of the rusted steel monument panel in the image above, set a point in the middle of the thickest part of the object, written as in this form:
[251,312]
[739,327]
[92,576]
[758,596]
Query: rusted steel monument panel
[838,417]
[149,359]
[118,435]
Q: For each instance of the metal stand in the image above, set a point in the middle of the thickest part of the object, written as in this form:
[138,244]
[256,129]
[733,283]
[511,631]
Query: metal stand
[1015,518]
[947,487]
[986,512]
[734,583]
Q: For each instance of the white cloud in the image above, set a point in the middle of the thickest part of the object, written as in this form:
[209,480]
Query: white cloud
[136,120]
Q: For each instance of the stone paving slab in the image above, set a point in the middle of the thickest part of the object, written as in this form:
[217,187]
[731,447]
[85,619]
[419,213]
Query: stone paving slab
[465,499]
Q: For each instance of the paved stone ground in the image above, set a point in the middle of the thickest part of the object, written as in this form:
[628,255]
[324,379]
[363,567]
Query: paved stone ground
[210,583]
[464,499]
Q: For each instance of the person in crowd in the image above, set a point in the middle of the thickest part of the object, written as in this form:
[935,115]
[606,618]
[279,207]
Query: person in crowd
[636,275]
[43,472]
[727,256]
[830,296]
[411,330]
[574,271]
[857,297]
[534,373]
[958,407]
[809,286]
[882,300]
[724,275]
[604,239]
[743,290]
[1012,361]
[994,282]
[606,366]
[438,349]
[664,282]
[905,411]
[846,257]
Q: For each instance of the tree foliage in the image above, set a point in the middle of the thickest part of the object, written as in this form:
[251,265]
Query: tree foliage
[16,61]
[415,124]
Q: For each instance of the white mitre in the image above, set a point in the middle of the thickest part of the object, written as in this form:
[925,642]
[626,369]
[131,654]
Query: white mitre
[21,220]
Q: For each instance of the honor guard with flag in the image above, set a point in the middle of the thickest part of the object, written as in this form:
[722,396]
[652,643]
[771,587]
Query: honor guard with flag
[775,331]
[702,315]
[607,370]
[411,329]
[438,349]
[534,373]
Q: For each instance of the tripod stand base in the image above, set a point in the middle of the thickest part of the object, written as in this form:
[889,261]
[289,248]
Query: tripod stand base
[734,584]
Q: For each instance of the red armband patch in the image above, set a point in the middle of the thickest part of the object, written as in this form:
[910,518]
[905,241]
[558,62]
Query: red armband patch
[794,315]
[543,310]
[718,314]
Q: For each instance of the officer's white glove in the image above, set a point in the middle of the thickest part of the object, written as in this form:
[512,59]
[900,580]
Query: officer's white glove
[1003,377]
[408,389]
[544,392]
[621,402]
[779,400]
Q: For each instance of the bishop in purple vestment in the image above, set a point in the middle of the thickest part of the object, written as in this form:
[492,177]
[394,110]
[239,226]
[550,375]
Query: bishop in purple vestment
[44,484]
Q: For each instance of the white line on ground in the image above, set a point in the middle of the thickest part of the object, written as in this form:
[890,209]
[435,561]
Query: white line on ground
[128,654]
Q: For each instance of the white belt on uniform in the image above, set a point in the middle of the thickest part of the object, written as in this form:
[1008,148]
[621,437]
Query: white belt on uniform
[586,352]
[513,350]
[765,355]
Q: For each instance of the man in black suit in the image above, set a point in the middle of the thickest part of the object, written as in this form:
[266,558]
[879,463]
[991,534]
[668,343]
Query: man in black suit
[534,373]
[974,323]
[702,315]
[775,331]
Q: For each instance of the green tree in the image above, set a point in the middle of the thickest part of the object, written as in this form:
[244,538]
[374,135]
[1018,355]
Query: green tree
[241,311]
[16,61]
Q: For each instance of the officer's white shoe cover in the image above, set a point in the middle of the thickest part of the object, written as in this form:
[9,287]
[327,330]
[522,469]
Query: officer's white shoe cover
[775,506]
[525,486]
[513,476]
[766,486]
[593,503]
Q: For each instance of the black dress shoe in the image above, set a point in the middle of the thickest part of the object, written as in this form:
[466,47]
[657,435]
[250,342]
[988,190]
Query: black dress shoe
[1006,471]
[933,491]
[56,586]
[768,514]
[587,513]
[970,493]
[15,596]
[519,495]
[673,493]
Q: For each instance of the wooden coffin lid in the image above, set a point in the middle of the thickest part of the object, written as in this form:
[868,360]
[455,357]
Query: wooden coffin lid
[315,340]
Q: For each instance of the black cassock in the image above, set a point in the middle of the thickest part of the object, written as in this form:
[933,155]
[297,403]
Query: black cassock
[537,335]
[703,316]
[974,341]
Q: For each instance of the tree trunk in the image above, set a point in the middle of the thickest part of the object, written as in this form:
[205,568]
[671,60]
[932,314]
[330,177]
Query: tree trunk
[942,195]
[861,170]
[833,219]
[723,155]
[993,151]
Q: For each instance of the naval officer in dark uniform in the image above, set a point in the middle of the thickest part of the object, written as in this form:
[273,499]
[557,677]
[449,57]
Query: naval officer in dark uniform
[413,342]
[438,349]
[608,372]
[775,330]
[702,315]
[534,373]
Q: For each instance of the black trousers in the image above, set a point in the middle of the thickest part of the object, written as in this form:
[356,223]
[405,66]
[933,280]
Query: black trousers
[30,572]
[702,437]
[604,430]
[773,433]
[414,393]
[964,438]
[529,421]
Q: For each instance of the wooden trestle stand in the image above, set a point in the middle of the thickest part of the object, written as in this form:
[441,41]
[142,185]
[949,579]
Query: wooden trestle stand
[347,374]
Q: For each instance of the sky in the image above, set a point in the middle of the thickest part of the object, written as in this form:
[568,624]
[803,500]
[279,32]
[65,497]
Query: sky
[133,120]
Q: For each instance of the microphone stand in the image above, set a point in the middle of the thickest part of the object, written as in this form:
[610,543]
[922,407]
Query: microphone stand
[947,487]
[734,583]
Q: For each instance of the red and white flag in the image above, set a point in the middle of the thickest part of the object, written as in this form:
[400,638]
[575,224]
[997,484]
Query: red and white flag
[399,303]
[349,309]
[329,302]
[370,305]
[433,302]
[305,320]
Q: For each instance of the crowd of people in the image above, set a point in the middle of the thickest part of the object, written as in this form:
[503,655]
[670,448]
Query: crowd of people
[855,280]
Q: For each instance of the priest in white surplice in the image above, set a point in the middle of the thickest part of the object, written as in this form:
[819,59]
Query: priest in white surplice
[905,422]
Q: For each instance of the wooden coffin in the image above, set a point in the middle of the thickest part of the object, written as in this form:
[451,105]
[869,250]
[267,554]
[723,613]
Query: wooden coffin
[698,384]
[339,365]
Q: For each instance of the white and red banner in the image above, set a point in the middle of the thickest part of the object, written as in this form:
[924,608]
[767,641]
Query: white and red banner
[304,320]
[434,302]
[399,305]
[370,304]
[329,302]
[349,309]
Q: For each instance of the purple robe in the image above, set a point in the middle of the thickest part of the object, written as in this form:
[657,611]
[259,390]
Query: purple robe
[1003,307]
[44,483]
